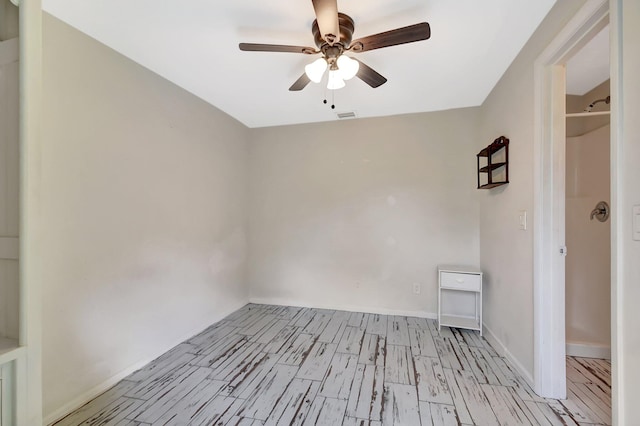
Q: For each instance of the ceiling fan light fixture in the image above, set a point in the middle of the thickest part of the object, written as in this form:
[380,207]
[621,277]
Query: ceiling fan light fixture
[348,67]
[315,70]
[333,35]
[335,80]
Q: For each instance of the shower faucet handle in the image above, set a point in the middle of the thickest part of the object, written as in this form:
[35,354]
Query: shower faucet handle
[601,212]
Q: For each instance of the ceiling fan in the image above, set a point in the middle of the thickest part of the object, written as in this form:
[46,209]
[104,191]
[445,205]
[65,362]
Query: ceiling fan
[332,33]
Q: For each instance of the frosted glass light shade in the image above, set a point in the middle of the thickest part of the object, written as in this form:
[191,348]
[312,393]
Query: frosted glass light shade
[315,70]
[348,67]
[335,80]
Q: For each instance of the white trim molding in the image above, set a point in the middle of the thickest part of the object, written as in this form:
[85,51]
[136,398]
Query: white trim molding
[28,373]
[92,393]
[338,307]
[588,350]
[549,145]
[618,377]
[502,350]
[87,396]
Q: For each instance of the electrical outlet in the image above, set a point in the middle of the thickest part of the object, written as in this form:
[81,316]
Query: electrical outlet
[416,288]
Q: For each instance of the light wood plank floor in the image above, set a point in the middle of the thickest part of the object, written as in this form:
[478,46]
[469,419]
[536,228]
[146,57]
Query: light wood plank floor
[273,365]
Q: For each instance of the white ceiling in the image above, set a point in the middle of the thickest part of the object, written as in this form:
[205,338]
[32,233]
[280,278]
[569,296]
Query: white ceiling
[589,67]
[194,43]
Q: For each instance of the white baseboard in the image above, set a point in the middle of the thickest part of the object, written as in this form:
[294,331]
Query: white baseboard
[588,350]
[503,351]
[87,396]
[78,402]
[341,307]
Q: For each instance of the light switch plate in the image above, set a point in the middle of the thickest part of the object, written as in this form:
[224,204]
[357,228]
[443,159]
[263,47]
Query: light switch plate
[522,220]
[636,223]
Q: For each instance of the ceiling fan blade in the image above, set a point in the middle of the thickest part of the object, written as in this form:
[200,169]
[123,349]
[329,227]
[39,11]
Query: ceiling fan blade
[327,17]
[370,76]
[258,47]
[403,35]
[300,83]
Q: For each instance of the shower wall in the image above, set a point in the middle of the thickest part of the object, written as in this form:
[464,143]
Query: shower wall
[580,126]
[588,262]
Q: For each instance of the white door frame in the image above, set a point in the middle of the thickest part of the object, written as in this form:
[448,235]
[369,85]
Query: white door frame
[549,196]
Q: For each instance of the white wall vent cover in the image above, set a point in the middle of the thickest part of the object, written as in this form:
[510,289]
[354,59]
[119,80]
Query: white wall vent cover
[343,115]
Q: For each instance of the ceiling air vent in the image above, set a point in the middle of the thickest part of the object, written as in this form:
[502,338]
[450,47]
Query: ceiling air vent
[344,115]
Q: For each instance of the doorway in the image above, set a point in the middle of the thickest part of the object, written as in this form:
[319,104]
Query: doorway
[587,201]
[549,194]
[588,231]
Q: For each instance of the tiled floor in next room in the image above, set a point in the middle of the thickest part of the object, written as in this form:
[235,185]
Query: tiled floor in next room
[272,365]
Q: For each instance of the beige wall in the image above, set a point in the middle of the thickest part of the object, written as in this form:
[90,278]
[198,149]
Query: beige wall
[350,214]
[626,179]
[588,262]
[8,20]
[506,252]
[9,189]
[143,204]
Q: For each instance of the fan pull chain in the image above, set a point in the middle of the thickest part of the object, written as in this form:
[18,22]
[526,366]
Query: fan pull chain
[333,99]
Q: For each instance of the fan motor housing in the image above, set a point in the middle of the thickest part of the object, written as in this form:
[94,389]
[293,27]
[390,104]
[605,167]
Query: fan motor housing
[346,31]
